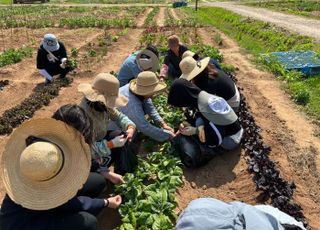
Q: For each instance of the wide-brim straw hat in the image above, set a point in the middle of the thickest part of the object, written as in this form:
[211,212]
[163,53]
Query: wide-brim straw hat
[190,68]
[147,60]
[147,83]
[105,89]
[52,191]
[216,109]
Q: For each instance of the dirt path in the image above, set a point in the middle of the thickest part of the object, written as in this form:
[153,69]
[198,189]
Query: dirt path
[174,14]
[301,25]
[160,18]
[140,21]
[279,119]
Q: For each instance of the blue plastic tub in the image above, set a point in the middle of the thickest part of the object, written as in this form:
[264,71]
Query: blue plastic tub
[307,61]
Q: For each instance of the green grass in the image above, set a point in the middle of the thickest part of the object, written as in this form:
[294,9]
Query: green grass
[299,7]
[5,2]
[258,38]
[109,1]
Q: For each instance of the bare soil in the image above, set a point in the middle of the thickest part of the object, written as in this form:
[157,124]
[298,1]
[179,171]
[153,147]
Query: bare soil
[174,14]
[290,22]
[160,18]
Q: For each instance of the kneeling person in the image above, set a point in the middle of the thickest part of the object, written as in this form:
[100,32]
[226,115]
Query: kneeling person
[52,58]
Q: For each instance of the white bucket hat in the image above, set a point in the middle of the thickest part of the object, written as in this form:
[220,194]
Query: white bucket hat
[50,42]
[46,173]
[216,109]
[146,83]
[147,61]
[190,68]
[105,88]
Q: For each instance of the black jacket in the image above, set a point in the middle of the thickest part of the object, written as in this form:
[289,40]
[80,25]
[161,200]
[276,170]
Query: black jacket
[43,60]
[16,217]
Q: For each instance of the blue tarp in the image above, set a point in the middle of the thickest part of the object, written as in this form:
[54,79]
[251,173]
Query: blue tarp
[307,62]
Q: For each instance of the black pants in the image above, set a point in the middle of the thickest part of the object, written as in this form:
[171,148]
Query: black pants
[83,220]
[56,69]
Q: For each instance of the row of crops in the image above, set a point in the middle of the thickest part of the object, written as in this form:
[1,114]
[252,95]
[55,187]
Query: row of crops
[72,17]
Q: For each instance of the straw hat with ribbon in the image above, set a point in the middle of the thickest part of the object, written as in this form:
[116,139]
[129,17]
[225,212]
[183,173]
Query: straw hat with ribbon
[147,83]
[147,60]
[190,68]
[105,88]
[47,171]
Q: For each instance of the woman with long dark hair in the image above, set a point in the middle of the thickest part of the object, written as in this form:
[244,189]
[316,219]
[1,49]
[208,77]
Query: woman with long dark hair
[46,173]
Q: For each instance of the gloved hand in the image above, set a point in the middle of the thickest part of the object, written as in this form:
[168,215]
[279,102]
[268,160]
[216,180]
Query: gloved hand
[63,63]
[117,142]
[188,131]
[201,134]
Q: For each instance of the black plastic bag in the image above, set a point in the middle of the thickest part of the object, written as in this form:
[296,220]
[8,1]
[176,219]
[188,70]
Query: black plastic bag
[192,152]
[126,162]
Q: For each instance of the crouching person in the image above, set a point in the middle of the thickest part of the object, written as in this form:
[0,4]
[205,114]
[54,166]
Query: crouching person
[216,124]
[100,101]
[52,58]
[209,213]
[46,173]
[140,92]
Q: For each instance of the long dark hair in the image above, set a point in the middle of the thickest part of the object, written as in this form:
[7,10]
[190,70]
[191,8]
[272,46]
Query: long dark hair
[76,117]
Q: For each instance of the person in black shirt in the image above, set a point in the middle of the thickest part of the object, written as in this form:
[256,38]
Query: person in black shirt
[209,78]
[172,58]
[52,58]
[215,124]
[45,163]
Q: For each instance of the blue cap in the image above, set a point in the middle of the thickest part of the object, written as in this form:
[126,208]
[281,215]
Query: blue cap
[50,42]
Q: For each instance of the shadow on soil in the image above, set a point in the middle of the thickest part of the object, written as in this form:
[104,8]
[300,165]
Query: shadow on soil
[217,172]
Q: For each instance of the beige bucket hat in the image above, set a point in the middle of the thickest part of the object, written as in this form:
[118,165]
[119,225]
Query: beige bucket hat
[216,109]
[105,88]
[49,172]
[147,83]
[190,68]
[188,53]
[147,60]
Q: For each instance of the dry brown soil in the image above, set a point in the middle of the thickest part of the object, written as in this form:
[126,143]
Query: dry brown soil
[160,18]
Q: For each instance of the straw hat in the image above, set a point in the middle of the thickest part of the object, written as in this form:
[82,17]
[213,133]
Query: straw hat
[188,53]
[105,88]
[47,173]
[50,42]
[216,109]
[146,83]
[190,68]
[147,60]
